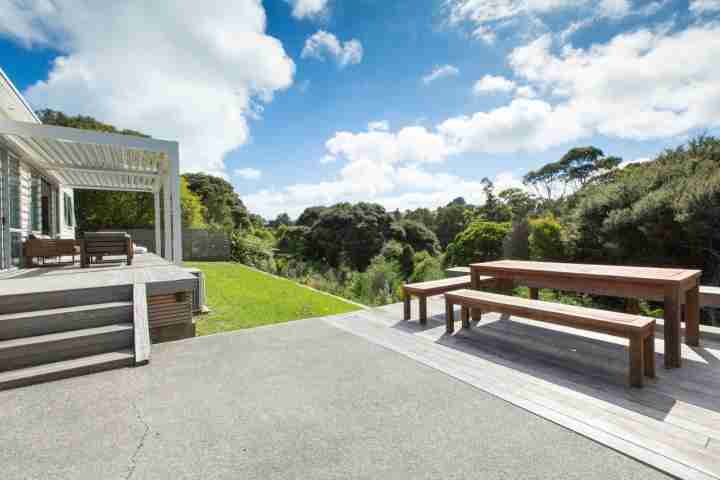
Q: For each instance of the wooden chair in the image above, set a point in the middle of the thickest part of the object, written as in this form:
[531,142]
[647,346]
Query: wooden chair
[43,248]
[95,245]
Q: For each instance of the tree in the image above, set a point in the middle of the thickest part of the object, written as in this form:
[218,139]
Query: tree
[225,210]
[519,202]
[349,233]
[418,236]
[450,220]
[310,215]
[546,239]
[53,117]
[574,170]
[479,242]
[281,219]
[193,211]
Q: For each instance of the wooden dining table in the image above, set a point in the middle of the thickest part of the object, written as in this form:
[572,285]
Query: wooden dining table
[676,287]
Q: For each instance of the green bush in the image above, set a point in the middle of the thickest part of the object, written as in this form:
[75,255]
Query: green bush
[546,239]
[480,241]
[251,251]
[426,267]
[379,284]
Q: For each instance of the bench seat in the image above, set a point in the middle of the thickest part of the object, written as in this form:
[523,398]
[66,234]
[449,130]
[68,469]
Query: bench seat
[423,290]
[709,296]
[640,331]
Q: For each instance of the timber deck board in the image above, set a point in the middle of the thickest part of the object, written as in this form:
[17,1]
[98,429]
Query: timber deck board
[573,378]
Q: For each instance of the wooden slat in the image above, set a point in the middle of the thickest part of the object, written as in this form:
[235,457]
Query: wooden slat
[436,287]
[709,296]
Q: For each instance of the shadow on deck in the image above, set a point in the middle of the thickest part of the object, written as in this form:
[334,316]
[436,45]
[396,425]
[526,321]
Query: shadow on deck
[575,378]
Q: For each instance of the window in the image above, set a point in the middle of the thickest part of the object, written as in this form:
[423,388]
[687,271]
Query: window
[35,202]
[68,207]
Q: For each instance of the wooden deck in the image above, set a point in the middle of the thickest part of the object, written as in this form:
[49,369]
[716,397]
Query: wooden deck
[573,378]
[156,272]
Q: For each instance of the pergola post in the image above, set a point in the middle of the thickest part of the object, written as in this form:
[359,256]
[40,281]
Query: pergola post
[167,225]
[176,218]
[158,223]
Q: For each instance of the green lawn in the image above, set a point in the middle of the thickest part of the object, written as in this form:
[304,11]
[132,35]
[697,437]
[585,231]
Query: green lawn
[243,298]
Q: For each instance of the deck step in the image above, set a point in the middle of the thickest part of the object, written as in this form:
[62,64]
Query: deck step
[54,347]
[67,368]
[55,320]
[28,302]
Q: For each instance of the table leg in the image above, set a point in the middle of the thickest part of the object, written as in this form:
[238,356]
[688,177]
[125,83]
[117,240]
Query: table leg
[649,353]
[449,317]
[692,317]
[534,293]
[475,313]
[505,286]
[406,306]
[465,316]
[673,309]
[423,310]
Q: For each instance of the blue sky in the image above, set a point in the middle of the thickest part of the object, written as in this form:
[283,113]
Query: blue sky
[279,96]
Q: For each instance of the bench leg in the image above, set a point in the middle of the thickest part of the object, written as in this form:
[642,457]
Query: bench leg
[449,318]
[465,316]
[649,352]
[692,314]
[534,293]
[423,310]
[406,306]
[476,314]
[636,361]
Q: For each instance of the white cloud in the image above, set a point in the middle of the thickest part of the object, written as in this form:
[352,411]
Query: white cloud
[325,159]
[704,6]
[308,8]
[381,125]
[526,91]
[614,8]
[633,86]
[322,44]
[439,72]
[178,69]
[248,173]
[491,83]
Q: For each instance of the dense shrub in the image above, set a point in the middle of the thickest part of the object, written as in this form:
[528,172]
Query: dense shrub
[480,241]
[420,237]
[546,239]
[426,267]
[379,284]
[251,251]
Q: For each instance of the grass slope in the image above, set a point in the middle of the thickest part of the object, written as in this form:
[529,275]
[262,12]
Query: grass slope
[243,298]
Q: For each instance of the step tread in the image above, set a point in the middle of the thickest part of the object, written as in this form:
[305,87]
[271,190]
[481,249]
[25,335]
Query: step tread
[70,334]
[64,365]
[63,310]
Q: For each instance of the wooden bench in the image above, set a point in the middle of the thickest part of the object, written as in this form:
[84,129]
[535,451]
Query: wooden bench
[48,247]
[95,245]
[423,290]
[709,296]
[640,331]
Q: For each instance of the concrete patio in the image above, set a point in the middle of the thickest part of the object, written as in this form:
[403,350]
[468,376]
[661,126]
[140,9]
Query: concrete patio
[304,399]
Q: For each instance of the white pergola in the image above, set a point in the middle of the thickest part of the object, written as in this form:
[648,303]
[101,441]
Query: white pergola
[83,159]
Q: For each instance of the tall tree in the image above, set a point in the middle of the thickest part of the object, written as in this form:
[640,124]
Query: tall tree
[225,210]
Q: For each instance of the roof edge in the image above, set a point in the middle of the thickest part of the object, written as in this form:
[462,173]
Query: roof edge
[19,96]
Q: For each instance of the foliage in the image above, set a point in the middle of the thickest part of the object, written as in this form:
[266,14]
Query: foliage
[419,236]
[546,239]
[309,216]
[480,241]
[517,243]
[292,240]
[53,117]
[252,251]
[100,209]
[349,233]
[450,220]
[280,220]
[574,170]
[380,283]
[240,297]
[193,211]
[224,209]
[426,267]
[663,212]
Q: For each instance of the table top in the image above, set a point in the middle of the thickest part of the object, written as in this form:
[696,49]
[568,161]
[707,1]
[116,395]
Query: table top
[580,270]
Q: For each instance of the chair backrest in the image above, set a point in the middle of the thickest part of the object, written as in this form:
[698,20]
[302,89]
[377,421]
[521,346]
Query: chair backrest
[118,243]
